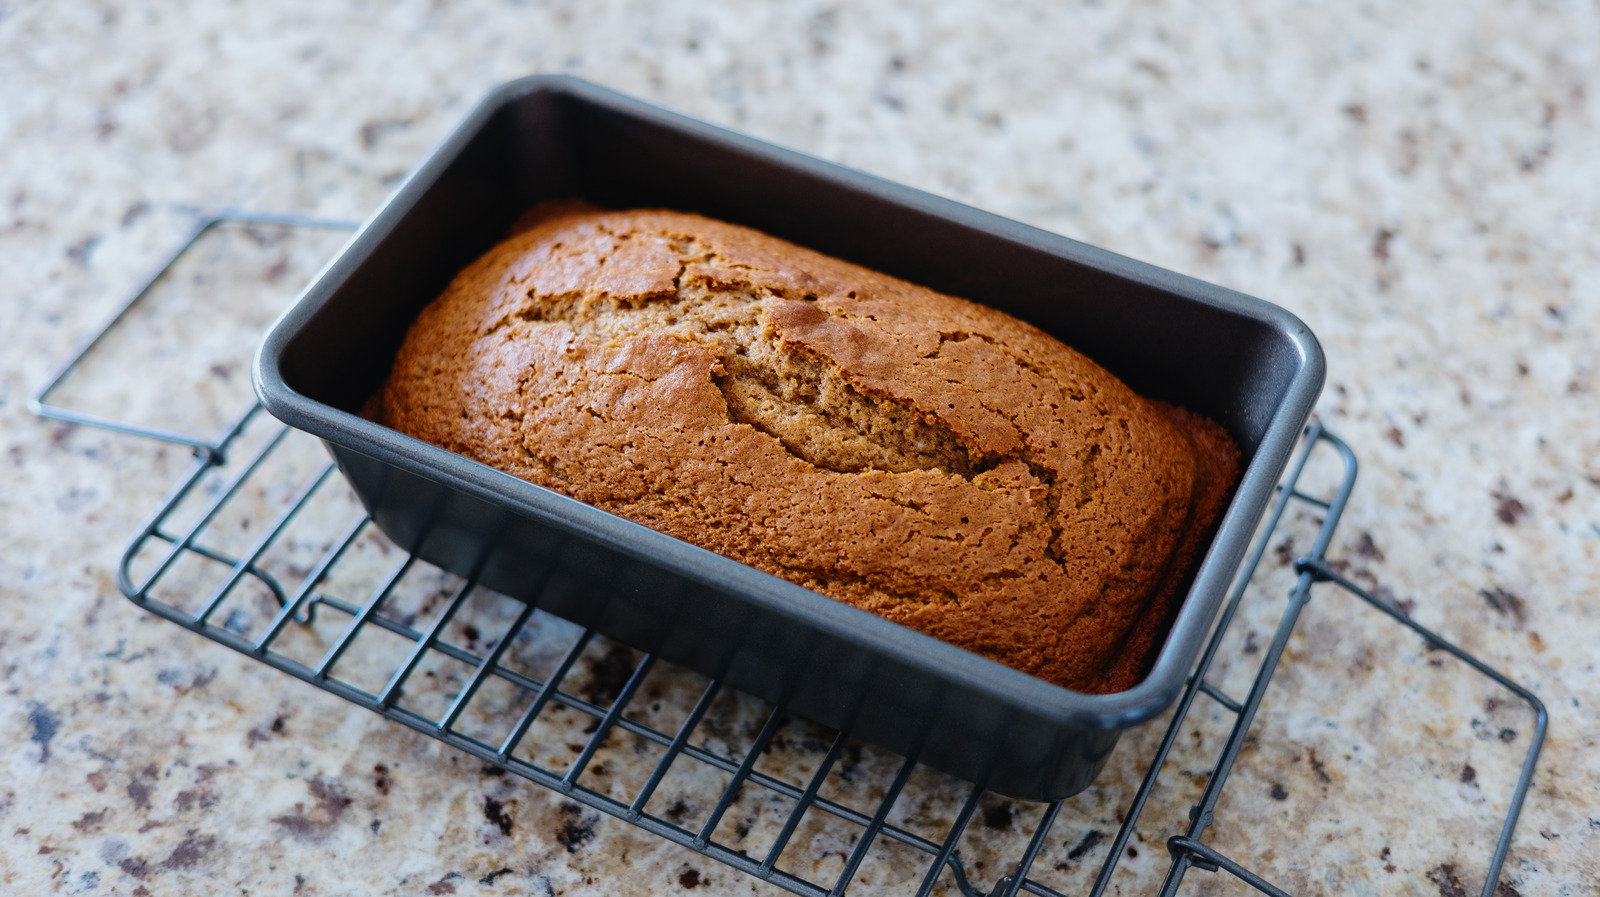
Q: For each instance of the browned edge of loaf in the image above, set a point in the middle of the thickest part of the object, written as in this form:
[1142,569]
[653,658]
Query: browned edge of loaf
[1218,474]
[463,381]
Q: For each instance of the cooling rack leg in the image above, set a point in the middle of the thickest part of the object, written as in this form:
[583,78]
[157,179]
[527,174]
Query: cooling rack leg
[1184,856]
[1201,814]
[948,849]
[1190,852]
[1320,569]
[39,403]
[1197,682]
[1009,885]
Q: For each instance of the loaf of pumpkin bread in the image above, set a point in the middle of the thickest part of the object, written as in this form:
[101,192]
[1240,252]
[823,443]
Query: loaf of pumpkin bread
[919,456]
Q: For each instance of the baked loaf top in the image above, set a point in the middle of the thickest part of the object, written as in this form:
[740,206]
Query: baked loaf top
[919,456]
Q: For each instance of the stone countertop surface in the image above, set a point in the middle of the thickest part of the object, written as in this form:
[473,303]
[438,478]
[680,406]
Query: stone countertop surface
[1420,182]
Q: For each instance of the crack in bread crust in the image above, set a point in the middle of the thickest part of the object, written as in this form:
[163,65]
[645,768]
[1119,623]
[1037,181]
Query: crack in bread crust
[913,454]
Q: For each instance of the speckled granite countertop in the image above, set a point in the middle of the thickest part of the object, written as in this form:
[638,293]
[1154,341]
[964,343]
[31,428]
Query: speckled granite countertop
[1419,182]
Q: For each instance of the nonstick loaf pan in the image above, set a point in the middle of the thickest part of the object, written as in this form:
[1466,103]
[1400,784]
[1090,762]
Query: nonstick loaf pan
[1243,362]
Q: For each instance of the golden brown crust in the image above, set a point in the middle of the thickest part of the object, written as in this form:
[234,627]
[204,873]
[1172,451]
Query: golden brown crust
[919,456]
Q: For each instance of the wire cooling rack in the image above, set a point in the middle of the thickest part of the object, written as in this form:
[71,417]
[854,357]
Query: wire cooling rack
[261,548]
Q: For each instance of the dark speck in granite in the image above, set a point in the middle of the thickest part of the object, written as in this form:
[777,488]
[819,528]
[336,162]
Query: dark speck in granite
[1444,877]
[135,867]
[495,812]
[998,816]
[373,132]
[191,850]
[608,674]
[205,771]
[489,879]
[1090,840]
[1318,767]
[1506,603]
[1380,244]
[80,251]
[677,811]
[45,723]
[135,212]
[237,622]
[1284,551]
[89,822]
[189,798]
[1279,792]
[139,792]
[1368,548]
[316,821]
[577,827]
[689,878]
[183,679]
[278,728]
[1507,507]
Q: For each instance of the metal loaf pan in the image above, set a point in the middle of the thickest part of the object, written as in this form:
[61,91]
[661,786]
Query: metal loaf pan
[1246,363]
